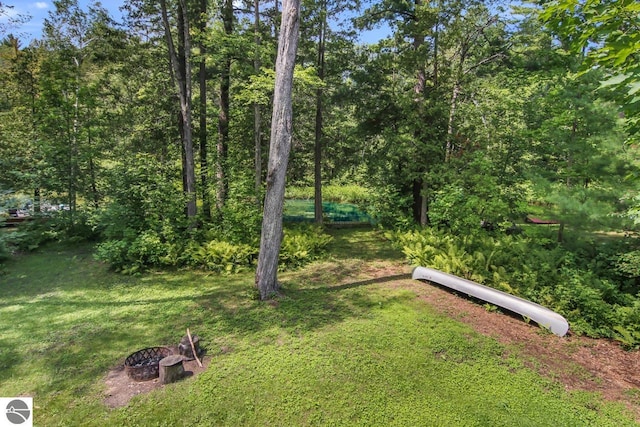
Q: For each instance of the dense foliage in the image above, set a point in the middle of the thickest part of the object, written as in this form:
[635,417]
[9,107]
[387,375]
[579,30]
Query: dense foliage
[465,114]
[135,252]
[586,281]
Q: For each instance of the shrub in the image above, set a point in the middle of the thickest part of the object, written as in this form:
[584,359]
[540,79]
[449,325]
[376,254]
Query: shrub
[142,197]
[627,331]
[137,252]
[115,253]
[388,208]
[301,245]
[223,256]
[240,222]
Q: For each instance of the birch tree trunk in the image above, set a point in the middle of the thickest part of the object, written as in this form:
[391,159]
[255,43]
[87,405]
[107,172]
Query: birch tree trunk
[281,128]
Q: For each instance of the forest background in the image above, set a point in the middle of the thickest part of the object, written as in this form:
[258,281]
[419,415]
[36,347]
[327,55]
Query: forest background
[149,136]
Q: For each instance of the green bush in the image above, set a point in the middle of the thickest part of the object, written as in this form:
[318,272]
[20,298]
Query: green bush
[146,250]
[115,253]
[9,242]
[142,197]
[240,222]
[627,331]
[388,208]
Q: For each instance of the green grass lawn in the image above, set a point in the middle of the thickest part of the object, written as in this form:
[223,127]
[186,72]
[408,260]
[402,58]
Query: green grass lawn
[336,349]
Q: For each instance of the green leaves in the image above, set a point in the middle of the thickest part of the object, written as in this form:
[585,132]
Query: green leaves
[570,282]
[615,80]
[608,31]
[301,245]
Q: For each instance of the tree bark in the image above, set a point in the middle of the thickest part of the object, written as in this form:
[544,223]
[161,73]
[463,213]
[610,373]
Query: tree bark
[223,116]
[257,114]
[420,187]
[452,113]
[182,76]
[318,129]
[202,81]
[281,130]
[171,369]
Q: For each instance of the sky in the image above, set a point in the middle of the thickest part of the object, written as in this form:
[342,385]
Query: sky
[39,10]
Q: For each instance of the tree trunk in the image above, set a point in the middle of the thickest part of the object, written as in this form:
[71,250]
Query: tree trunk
[276,26]
[95,198]
[73,176]
[36,200]
[171,369]
[202,82]
[452,113]
[424,219]
[257,115]
[223,116]
[182,76]
[281,129]
[420,186]
[318,128]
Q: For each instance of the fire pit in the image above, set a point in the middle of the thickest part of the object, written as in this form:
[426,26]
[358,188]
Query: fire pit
[143,364]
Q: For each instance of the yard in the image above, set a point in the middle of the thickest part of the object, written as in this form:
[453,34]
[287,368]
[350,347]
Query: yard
[351,341]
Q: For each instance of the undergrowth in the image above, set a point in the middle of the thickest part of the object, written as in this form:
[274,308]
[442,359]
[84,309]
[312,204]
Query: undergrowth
[580,283]
[301,244]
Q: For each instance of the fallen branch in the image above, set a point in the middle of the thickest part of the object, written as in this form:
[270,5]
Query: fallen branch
[193,348]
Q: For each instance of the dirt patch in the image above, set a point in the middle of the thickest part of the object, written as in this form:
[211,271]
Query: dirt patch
[121,389]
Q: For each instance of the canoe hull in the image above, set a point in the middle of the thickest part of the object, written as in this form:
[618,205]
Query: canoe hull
[539,314]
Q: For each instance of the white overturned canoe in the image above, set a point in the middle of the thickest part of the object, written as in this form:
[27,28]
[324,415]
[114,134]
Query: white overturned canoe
[539,314]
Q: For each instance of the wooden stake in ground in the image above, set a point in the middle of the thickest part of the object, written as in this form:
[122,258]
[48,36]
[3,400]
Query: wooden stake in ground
[193,348]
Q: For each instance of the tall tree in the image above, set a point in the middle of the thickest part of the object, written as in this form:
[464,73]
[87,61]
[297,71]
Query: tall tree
[20,155]
[320,64]
[257,112]
[609,31]
[181,68]
[224,108]
[202,112]
[281,132]
[77,42]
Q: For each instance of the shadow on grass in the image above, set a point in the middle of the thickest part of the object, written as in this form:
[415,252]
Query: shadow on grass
[310,308]
[73,319]
[367,244]
[377,280]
